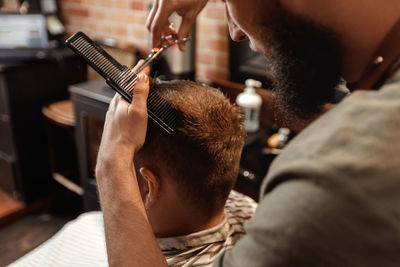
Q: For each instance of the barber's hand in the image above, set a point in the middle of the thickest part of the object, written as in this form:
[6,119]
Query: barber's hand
[125,126]
[158,22]
[124,133]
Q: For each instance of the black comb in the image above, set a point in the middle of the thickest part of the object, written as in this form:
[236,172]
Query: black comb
[123,80]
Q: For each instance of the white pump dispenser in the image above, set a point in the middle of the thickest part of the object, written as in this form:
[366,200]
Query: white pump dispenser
[250,103]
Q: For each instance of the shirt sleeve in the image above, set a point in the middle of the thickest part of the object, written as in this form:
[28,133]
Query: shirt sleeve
[301,223]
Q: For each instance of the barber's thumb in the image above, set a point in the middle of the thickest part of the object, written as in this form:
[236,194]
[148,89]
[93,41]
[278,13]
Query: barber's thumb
[141,91]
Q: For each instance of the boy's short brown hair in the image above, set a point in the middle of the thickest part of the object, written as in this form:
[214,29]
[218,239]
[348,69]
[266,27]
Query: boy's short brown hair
[203,155]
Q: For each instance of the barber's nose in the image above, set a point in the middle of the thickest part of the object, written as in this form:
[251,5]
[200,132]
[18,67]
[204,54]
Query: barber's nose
[235,32]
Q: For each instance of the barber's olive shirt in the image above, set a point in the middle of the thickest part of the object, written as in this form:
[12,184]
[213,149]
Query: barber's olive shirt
[332,198]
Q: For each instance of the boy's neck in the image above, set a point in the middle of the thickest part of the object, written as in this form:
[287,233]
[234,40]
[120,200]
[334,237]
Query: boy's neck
[184,223]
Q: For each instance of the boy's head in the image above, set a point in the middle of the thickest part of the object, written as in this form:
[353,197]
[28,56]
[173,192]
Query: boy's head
[186,178]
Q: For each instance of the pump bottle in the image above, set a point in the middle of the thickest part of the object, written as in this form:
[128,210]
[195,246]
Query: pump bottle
[250,103]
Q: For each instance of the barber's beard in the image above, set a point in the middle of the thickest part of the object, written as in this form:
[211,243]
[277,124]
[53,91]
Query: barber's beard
[305,64]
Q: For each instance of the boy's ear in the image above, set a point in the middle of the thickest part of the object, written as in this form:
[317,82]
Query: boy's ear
[152,186]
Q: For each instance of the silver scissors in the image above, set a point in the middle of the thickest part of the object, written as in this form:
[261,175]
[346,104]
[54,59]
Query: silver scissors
[166,42]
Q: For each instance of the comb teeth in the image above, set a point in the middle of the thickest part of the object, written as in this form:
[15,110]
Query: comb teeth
[95,56]
[123,80]
[166,116]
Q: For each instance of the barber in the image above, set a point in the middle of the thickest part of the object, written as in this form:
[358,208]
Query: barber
[332,198]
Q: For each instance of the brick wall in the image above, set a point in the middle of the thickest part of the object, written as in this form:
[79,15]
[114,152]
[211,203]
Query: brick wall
[124,21]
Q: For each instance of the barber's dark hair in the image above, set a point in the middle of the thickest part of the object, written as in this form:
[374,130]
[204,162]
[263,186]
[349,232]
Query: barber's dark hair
[203,155]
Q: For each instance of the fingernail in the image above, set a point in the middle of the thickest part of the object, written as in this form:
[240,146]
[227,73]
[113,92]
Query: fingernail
[142,78]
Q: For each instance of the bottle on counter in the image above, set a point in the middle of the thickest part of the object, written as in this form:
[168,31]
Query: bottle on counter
[250,103]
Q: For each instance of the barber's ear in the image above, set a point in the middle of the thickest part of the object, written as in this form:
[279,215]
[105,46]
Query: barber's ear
[152,183]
